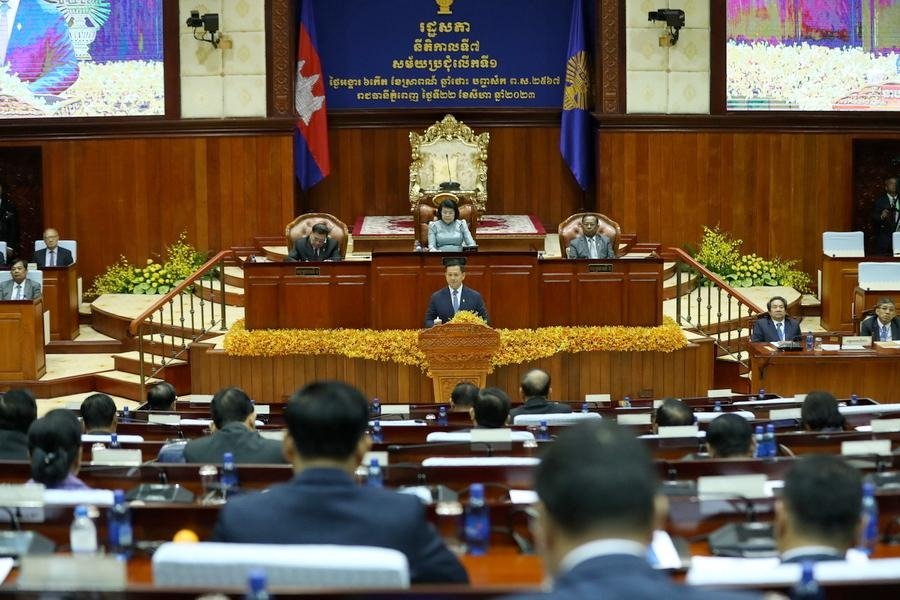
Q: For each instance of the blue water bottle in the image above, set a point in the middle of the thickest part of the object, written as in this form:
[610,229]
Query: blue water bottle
[762,394]
[626,402]
[228,479]
[257,585]
[118,526]
[114,440]
[770,441]
[868,535]
[374,475]
[543,431]
[760,438]
[375,408]
[442,416]
[810,341]
[807,588]
[717,407]
[125,413]
[377,432]
[477,522]
[854,399]
[585,408]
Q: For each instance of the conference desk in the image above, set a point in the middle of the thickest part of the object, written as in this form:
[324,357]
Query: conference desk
[392,291]
[874,373]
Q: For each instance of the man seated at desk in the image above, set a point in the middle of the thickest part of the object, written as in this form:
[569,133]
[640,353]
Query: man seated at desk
[884,325]
[317,246]
[775,326]
[53,255]
[590,244]
[446,302]
[19,287]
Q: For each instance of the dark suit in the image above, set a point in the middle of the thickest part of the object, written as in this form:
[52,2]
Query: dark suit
[764,330]
[63,257]
[31,288]
[872,326]
[579,247]
[245,444]
[325,506]
[883,230]
[304,252]
[441,305]
[626,577]
[539,405]
[13,445]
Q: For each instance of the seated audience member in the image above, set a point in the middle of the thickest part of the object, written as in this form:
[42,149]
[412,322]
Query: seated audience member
[817,517]
[535,390]
[673,413]
[447,301]
[54,443]
[597,509]
[98,413]
[820,413]
[449,233]
[491,409]
[160,398]
[730,436]
[53,255]
[317,246]
[884,325]
[462,398]
[17,411]
[19,287]
[590,244]
[234,431]
[322,504]
[776,326]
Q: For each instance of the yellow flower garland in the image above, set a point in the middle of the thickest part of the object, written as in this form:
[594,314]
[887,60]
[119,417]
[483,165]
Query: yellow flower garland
[401,345]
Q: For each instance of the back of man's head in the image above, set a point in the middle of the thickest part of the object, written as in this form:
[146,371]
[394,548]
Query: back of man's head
[729,436]
[18,410]
[597,479]
[673,412]
[463,396]
[535,383]
[161,396]
[326,420]
[491,407]
[98,412]
[230,405]
[822,499]
[820,411]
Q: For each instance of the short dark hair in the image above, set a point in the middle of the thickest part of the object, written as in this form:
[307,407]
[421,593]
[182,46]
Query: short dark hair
[18,410]
[54,442]
[326,419]
[729,435]
[590,216]
[161,396]
[448,203]
[230,405]
[491,407]
[596,475]
[823,498]
[773,299]
[535,382]
[464,394]
[17,261]
[674,412]
[320,228]
[884,300]
[455,262]
[820,411]
[98,411]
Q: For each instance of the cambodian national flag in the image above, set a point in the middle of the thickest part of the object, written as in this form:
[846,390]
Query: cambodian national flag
[576,139]
[311,161]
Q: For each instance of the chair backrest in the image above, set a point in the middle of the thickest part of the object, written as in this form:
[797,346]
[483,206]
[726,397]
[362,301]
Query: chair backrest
[70,245]
[879,275]
[32,274]
[212,564]
[571,229]
[302,226]
[426,211]
[843,243]
[556,418]
[896,240]
[3,250]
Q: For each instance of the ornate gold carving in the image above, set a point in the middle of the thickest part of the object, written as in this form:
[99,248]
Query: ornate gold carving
[610,58]
[444,7]
[458,352]
[282,62]
[577,91]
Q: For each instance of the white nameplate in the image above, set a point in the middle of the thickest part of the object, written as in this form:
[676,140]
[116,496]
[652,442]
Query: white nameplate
[678,431]
[21,495]
[657,403]
[73,405]
[161,419]
[262,409]
[799,397]
[885,425]
[634,419]
[731,486]
[117,457]
[381,456]
[879,447]
[853,342]
[270,434]
[720,393]
[395,409]
[523,496]
[597,398]
[61,572]
[500,434]
[784,413]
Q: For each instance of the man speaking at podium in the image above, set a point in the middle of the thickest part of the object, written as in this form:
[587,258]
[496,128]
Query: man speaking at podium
[446,302]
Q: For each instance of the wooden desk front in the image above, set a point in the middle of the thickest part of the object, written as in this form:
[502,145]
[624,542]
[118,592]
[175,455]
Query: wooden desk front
[873,373]
[393,289]
[840,276]
[22,340]
[60,290]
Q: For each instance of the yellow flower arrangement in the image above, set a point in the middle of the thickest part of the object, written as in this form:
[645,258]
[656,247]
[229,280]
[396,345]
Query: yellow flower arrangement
[401,345]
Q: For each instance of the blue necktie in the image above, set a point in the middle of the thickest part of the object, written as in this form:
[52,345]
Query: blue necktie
[455,301]
[884,334]
[780,332]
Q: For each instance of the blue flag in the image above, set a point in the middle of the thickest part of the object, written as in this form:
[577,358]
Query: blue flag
[576,139]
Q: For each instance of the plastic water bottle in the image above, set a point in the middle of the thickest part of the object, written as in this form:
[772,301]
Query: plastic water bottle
[807,588]
[477,522]
[228,478]
[257,582]
[762,394]
[543,431]
[114,440]
[374,475]
[377,432]
[626,402]
[760,441]
[897,66]
[417,246]
[854,399]
[118,526]
[375,408]
[125,413]
[585,408]
[717,407]
[442,416]
[868,535]
[83,532]
[770,442]
[810,341]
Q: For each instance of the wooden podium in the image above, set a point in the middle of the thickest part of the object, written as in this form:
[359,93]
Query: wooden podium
[22,340]
[60,290]
[457,353]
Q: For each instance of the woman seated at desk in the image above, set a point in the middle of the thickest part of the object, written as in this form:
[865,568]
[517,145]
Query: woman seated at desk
[54,442]
[449,233]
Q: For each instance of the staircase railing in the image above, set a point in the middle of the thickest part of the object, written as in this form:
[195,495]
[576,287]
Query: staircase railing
[184,313]
[716,310]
